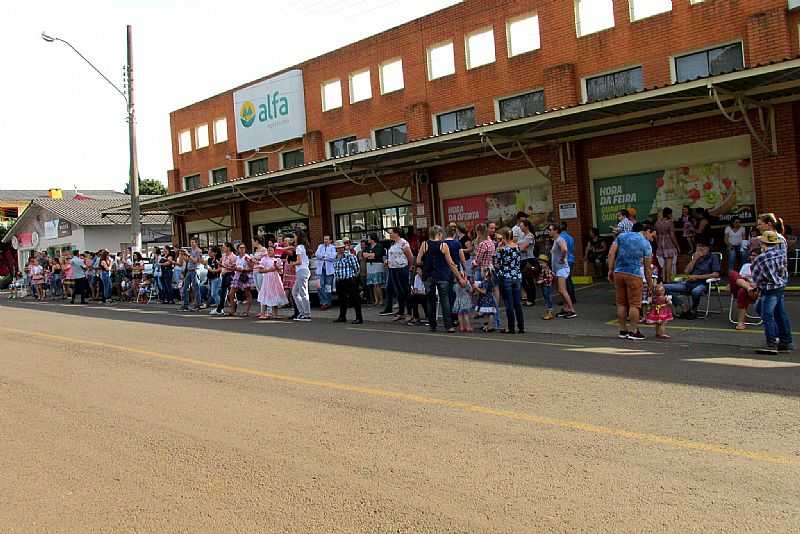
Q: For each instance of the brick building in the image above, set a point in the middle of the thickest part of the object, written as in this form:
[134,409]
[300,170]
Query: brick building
[491,106]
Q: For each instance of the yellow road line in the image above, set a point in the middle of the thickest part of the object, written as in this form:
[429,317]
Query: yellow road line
[465,338]
[642,437]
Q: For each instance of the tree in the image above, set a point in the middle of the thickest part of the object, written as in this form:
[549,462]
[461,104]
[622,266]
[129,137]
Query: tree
[148,186]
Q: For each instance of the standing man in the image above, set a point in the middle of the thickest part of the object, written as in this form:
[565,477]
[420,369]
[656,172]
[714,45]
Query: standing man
[325,255]
[770,274]
[624,223]
[518,231]
[346,270]
[629,254]
[78,265]
[190,263]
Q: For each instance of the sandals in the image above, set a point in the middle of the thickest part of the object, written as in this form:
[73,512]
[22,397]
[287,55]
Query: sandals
[741,326]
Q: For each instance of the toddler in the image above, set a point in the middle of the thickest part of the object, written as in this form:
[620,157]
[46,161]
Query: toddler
[463,305]
[660,312]
[545,282]
[487,305]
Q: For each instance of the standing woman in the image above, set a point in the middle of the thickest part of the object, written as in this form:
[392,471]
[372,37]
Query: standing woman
[243,279]
[559,255]
[105,276]
[376,275]
[767,222]
[227,265]
[270,295]
[667,245]
[289,272]
[302,275]
[400,258]
[56,270]
[508,259]
[137,268]
[528,262]
[37,277]
[735,234]
[167,263]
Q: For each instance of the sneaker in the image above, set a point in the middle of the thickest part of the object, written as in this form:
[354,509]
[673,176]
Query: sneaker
[386,313]
[623,334]
[636,336]
[768,348]
[785,348]
[215,312]
[561,314]
[548,316]
[303,319]
[570,315]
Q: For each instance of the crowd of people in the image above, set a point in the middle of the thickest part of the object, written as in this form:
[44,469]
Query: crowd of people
[456,276]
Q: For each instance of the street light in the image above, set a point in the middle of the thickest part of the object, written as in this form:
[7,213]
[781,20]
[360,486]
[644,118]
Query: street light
[136,226]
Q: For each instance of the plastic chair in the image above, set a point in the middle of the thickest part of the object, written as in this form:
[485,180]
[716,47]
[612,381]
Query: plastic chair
[713,291]
[748,317]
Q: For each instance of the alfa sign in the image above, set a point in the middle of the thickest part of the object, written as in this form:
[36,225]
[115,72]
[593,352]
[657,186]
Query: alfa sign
[270,112]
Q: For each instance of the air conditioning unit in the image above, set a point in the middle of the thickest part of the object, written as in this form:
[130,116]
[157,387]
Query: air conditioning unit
[359,145]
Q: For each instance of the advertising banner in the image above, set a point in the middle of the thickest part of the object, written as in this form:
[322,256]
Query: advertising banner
[64,228]
[724,189]
[501,208]
[270,112]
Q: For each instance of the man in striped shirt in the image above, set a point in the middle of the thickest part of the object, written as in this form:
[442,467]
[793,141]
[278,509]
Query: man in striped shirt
[625,223]
[769,275]
[346,271]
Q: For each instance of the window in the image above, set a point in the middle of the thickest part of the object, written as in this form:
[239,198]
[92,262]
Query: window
[523,35]
[257,166]
[221,130]
[191,182]
[480,48]
[455,120]
[641,9]
[331,95]
[211,239]
[201,136]
[339,147]
[393,135]
[219,176]
[360,86]
[185,141]
[391,74]
[293,158]
[358,225]
[593,16]
[441,61]
[614,84]
[710,62]
[519,106]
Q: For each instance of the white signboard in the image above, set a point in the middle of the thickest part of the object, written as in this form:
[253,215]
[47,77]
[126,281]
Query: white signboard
[270,112]
[568,211]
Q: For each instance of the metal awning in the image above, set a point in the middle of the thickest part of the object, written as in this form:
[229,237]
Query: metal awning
[735,95]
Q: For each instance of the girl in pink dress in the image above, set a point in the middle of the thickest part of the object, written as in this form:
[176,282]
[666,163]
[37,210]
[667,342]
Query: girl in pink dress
[271,294]
[660,311]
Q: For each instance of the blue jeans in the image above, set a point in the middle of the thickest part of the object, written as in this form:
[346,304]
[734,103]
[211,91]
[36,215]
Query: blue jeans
[56,285]
[695,289]
[735,256]
[442,288]
[105,277]
[166,285]
[512,294]
[213,290]
[188,283]
[776,320]
[547,293]
[325,289]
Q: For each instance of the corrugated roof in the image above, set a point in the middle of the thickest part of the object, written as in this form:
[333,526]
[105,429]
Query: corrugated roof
[18,195]
[89,212]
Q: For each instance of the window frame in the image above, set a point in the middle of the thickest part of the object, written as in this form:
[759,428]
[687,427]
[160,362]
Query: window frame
[673,67]
[324,84]
[350,77]
[183,182]
[480,31]
[181,148]
[631,11]
[518,18]
[394,125]
[197,136]
[211,175]
[497,100]
[283,154]
[402,75]
[447,112]
[428,51]
[250,161]
[584,85]
[578,21]
[216,139]
[383,231]
[328,148]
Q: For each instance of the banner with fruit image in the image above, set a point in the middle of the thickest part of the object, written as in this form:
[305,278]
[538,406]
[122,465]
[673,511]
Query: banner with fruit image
[724,189]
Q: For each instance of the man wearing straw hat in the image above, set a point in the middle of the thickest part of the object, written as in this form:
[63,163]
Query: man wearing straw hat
[769,274]
[346,271]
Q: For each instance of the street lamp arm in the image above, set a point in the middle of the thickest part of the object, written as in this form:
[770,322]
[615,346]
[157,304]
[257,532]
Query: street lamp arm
[51,39]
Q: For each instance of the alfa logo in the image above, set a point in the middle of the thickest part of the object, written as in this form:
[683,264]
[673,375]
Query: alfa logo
[247,114]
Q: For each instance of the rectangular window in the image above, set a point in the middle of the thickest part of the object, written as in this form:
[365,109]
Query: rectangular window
[455,120]
[191,182]
[339,146]
[331,95]
[523,35]
[358,225]
[185,141]
[201,136]
[614,84]
[441,61]
[516,107]
[394,135]
[293,158]
[391,74]
[257,166]
[221,130]
[219,176]
[641,9]
[710,62]
[480,48]
[360,86]
[592,16]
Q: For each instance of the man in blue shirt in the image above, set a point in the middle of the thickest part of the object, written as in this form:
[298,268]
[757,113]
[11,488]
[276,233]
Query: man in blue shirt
[629,256]
[570,260]
[702,266]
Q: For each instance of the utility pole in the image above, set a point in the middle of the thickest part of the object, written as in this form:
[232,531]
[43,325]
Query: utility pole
[136,222]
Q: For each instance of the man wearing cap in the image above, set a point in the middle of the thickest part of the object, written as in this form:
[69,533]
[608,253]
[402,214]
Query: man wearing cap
[702,266]
[346,271]
[769,272]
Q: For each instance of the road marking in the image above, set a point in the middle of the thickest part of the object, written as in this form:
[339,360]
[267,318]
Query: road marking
[731,330]
[543,421]
[463,338]
[746,362]
[614,351]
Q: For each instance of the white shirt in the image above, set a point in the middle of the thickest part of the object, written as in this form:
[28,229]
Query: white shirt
[300,251]
[746,271]
[325,255]
[735,237]
[419,285]
[397,255]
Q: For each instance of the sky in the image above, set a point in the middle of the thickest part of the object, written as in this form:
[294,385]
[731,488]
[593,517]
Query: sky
[64,126]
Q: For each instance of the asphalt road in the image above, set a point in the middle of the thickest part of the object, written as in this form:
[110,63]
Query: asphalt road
[144,420]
